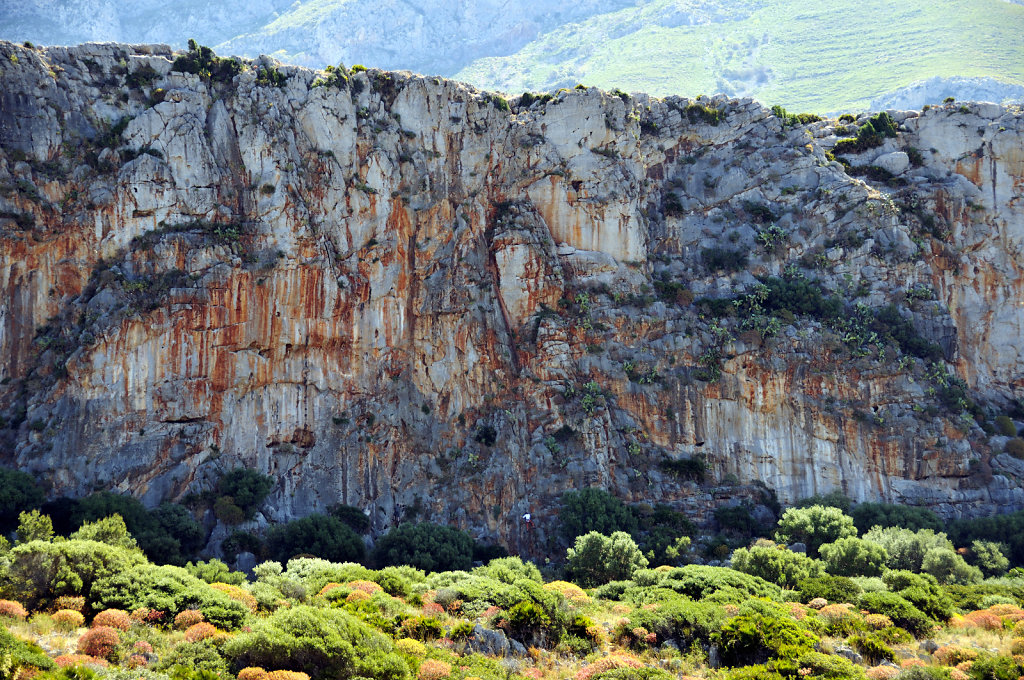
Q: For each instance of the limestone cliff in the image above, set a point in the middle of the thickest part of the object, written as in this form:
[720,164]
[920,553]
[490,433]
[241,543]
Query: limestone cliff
[405,294]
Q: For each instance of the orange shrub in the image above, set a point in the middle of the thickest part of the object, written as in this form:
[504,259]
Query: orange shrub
[237,594]
[910,663]
[878,621]
[607,664]
[328,588]
[1017,646]
[368,587]
[957,674]
[882,673]
[99,641]
[188,618]
[200,631]
[569,591]
[252,673]
[432,609]
[1010,613]
[75,602]
[532,673]
[68,619]
[137,661]
[358,596]
[980,619]
[12,609]
[432,669]
[143,647]
[113,618]
[951,655]
[286,675]
[65,660]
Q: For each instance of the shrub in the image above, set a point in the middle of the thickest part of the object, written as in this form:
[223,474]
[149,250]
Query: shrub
[991,667]
[247,488]
[905,548]
[68,619]
[597,559]
[723,259]
[188,618]
[869,136]
[989,557]
[171,590]
[41,571]
[853,557]
[755,638]
[948,567]
[100,641]
[680,619]
[408,646]
[606,664]
[814,526]
[1007,529]
[252,673]
[872,647]
[830,588]
[113,618]
[203,655]
[570,591]
[423,628]
[1015,447]
[701,582]
[645,673]
[903,613]
[318,535]
[74,602]
[776,564]
[833,499]
[18,493]
[110,530]
[12,610]
[953,655]
[425,546]
[237,594]
[215,571]
[34,526]
[69,660]
[593,509]
[320,642]
[286,675]
[199,631]
[434,669]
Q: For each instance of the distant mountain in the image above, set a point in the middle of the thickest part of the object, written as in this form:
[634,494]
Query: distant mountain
[935,90]
[801,55]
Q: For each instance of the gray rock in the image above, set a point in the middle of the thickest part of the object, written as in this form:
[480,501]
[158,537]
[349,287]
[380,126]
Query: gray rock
[488,641]
[928,646]
[797,547]
[848,653]
[895,162]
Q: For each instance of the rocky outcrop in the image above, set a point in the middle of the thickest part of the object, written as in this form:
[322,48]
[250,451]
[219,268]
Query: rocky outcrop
[934,90]
[402,293]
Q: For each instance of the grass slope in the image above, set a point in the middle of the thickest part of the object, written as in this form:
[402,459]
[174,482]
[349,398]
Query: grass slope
[818,57]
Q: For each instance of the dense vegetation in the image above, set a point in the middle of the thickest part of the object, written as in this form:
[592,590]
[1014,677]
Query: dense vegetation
[823,597]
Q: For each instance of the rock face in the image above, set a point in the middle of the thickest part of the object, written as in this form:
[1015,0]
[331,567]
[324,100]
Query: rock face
[933,90]
[404,294]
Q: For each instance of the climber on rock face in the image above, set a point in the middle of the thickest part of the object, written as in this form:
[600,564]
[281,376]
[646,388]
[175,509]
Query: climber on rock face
[528,518]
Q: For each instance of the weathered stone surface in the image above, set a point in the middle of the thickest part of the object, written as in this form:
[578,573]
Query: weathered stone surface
[398,295]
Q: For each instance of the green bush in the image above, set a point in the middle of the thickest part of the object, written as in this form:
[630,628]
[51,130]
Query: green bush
[853,557]
[510,570]
[723,259]
[325,643]
[204,655]
[990,557]
[681,619]
[949,567]
[755,638]
[903,613]
[1005,426]
[776,564]
[835,589]
[991,667]
[597,559]
[355,518]
[215,571]
[906,549]
[833,499]
[110,530]
[40,571]
[594,510]
[1007,529]
[18,493]
[248,488]
[1015,447]
[319,535]
[645,673]
[872,647]
[426,546]
[721,584]
[34,526]
[168,589]
[870,135]
[525,621]
[201,61]
[868,515]
[16,654]
[814,526]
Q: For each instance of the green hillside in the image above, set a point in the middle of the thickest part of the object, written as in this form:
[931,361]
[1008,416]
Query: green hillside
[808,56]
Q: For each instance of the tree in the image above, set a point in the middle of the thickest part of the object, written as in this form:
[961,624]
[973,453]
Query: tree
[948,567]
[110,530]
[868,515]
[776,564]
[247,488]
[597,559]
[426,546]
[989,557]
[853,557]
[594,510]
[18,493]
[906,548]
[814,526]
[319,535]
[34,526]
